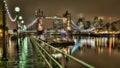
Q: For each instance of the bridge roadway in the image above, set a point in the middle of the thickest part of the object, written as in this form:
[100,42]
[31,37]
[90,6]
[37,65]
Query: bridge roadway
[27,57]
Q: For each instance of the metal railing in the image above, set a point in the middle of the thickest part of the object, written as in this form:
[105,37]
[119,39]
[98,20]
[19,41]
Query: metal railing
[44,53]
[62,52]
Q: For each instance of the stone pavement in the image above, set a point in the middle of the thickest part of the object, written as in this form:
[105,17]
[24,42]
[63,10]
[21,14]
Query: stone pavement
[24,57]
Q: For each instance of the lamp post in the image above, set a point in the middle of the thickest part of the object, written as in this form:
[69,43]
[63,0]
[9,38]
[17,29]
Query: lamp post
[4,55]
[20,17]
[19,21]
[22,24]
[22,21]
[17,10]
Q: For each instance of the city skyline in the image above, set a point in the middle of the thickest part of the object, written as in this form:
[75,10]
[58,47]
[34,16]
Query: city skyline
[88,9]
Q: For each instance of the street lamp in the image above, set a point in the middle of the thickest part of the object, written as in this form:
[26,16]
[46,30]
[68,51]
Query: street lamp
[21,24]
[17,10]
[4,55]
[22,21]
[20,17]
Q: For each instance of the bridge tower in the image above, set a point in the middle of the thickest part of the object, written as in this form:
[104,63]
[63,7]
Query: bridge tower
[68,24]
[39,25]
[68,16]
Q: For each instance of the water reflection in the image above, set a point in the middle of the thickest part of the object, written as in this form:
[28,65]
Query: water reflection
[94,49]
[98,43]
[18,57]
[24,53]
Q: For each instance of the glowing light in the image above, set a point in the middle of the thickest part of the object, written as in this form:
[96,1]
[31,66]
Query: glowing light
[1,52]
[22,21]
[0,30]
[17,9]
[20,18]
[9,15]
[64,20]
[110,46]
[101,17]
[24,53]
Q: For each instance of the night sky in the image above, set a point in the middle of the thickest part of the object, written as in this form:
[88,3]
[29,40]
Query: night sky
[87,8]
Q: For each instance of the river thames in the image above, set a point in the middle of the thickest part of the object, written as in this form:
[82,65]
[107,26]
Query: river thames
[101,52]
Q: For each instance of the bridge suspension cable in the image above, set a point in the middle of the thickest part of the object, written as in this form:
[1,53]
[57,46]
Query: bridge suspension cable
[32,23]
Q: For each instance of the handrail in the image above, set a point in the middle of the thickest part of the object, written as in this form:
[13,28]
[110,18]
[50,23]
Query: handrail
[48,54]
[43,56]
[75,59]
